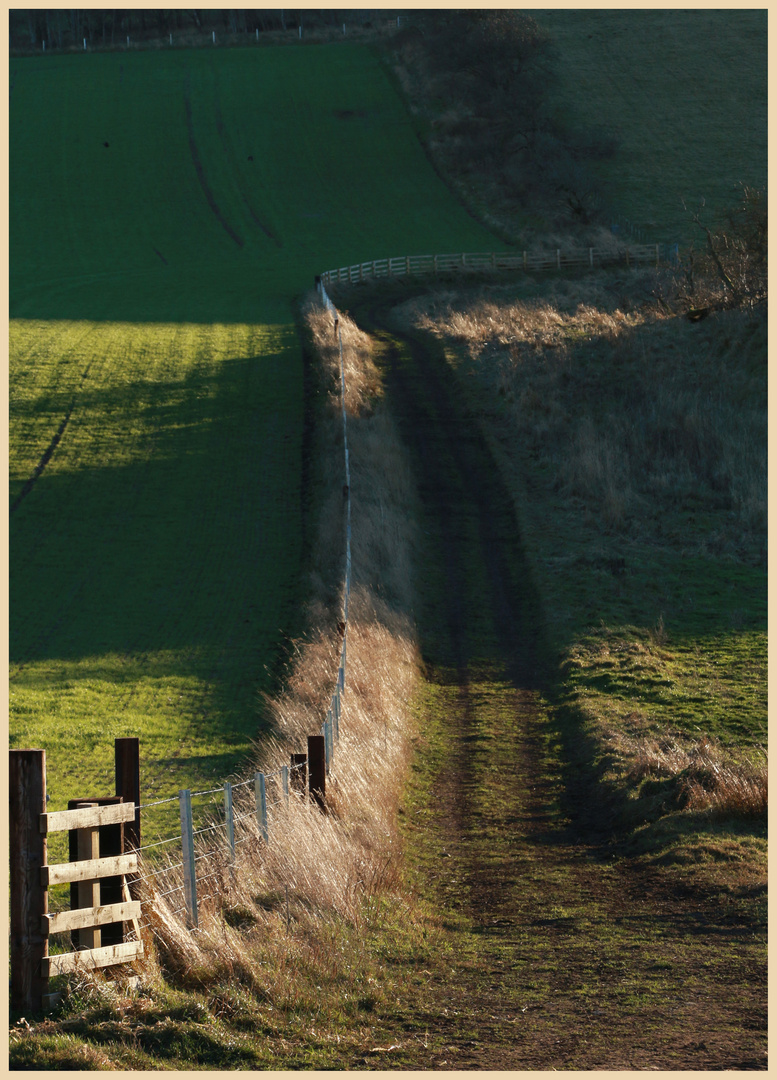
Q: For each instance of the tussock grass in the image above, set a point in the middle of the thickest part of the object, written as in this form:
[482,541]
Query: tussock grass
[708,775]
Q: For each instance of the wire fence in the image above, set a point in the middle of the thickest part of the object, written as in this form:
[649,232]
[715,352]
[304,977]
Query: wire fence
[177,867]
[498,262]
[185,868]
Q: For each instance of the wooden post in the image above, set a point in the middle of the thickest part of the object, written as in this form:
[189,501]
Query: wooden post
[110,842]
[299,772]
[127,766]
[189,868]
[29,898]
[261,806]
[88,847]
[317,766]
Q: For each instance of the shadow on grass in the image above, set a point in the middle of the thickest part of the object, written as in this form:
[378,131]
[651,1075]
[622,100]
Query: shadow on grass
[167,543]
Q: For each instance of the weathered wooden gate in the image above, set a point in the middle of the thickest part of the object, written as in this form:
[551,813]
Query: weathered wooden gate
[102,907]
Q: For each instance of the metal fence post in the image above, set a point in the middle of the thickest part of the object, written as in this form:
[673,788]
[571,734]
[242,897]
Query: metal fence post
[229,816]
[328,741]
[261,806]
[187,843]
[285,782]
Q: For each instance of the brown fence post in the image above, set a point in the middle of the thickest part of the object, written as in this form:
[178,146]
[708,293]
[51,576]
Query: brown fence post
[317,766]
[29,898]
[127,758]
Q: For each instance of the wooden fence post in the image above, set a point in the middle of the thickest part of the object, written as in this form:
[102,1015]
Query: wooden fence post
[127,758]
[285,783]
[88,847]
[189,868]
[29,897]
[317,766]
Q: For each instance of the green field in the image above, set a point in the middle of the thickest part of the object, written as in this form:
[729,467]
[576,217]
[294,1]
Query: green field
[156,375]
[684,92]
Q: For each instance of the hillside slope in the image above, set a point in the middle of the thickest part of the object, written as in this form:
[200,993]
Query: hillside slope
[166,209]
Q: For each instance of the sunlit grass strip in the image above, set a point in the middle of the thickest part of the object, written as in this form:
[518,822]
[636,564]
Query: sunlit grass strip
[181,461]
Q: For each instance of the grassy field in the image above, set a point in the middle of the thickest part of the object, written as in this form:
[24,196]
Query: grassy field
[157,526]
[684,92]
[166,210]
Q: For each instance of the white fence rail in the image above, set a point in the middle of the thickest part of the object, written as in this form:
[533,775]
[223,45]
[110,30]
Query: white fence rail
[474,262]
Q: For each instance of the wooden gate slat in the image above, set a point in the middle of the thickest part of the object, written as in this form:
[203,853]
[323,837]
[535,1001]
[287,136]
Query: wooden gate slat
[86,818]
[90,959]
[88,869]
[79,918]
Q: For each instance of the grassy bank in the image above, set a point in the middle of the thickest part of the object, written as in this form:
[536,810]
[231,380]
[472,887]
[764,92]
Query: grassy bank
[634,446]
[675,102]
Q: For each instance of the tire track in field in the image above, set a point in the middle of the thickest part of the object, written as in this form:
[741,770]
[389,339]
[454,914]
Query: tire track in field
[199,169]
[48,453]
[229,151]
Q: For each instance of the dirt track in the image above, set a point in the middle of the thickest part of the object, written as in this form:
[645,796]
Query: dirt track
[564,953]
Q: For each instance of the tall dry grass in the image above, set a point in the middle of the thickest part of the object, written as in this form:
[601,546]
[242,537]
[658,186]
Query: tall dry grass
[627,405]
[318,865]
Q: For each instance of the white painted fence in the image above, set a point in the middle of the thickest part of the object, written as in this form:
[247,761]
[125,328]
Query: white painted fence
[474,262]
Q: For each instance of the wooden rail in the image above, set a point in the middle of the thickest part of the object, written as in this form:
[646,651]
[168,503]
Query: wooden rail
[403,265]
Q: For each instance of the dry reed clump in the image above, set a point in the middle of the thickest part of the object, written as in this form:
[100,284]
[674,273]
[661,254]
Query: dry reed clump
[317,864]
[708,778]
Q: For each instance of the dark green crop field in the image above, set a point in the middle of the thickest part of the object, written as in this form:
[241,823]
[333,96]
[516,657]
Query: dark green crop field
[166,209]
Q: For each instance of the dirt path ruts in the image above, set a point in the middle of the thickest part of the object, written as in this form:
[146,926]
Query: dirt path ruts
[562,955]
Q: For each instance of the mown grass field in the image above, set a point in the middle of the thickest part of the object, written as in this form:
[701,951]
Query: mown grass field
[166,211]
[684,91]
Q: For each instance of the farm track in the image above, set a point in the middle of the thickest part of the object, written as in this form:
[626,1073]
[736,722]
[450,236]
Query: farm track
[562,955]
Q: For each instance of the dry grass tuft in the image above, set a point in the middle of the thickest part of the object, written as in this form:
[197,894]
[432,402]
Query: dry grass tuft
[708,778]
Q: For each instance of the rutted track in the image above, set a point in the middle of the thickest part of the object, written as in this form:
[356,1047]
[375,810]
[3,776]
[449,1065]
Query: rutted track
[560,957]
